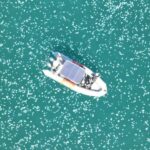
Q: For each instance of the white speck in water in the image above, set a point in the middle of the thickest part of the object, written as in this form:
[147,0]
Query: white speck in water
[1,44]
[148,140]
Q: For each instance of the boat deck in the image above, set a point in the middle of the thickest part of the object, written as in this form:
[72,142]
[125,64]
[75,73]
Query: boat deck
[72,72]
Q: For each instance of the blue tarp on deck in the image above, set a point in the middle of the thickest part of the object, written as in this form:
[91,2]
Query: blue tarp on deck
[72,72]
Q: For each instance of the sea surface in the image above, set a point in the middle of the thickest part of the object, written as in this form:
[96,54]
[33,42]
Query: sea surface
[111,37]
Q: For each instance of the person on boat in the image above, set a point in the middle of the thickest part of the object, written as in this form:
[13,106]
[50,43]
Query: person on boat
[57,62]
[87,83]
[59,58]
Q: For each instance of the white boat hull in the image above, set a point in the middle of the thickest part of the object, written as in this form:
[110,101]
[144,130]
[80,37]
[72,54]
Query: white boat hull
[100,88]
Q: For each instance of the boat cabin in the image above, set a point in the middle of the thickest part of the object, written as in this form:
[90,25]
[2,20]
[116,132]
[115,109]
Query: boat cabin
[72,72]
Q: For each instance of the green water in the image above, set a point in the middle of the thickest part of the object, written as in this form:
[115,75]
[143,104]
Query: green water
[110,37]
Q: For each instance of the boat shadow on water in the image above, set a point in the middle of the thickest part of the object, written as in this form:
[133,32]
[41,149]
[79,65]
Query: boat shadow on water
[75,54]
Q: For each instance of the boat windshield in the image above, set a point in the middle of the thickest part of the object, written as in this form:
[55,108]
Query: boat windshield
[72,72]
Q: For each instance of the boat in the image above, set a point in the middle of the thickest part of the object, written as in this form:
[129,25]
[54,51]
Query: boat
[74,75]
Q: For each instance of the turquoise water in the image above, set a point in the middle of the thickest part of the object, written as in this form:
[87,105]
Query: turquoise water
[110,37]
